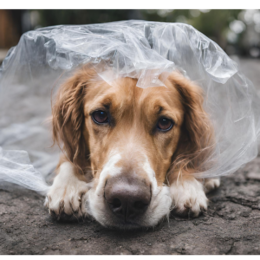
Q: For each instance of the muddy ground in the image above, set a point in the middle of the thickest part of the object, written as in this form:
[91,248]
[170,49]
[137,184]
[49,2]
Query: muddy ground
[230,226]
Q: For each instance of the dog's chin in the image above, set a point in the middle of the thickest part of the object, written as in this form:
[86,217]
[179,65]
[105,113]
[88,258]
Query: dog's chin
[158,210]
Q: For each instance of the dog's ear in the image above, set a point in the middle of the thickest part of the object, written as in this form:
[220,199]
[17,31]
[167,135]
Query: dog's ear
[197,135]
[68,117]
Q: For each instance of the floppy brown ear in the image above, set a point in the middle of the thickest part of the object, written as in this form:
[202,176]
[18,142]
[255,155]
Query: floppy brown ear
[197,135]
[68,117]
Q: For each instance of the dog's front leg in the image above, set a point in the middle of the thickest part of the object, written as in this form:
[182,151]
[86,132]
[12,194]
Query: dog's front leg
[67,192]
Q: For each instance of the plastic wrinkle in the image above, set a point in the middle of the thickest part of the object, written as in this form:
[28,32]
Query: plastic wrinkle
[16,168]
[137,49]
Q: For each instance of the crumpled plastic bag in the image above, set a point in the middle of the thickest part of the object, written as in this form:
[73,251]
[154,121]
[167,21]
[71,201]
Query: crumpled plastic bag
[45,57]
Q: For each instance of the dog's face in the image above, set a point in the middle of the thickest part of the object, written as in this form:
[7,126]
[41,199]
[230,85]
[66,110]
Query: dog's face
[139,128]
[131,139]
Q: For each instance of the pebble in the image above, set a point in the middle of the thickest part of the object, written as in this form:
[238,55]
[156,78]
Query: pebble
[254,176]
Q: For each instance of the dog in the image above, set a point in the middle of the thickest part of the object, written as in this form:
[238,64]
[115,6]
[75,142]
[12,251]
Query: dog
[129,153]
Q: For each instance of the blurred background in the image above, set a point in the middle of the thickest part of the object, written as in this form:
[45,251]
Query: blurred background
[236,31]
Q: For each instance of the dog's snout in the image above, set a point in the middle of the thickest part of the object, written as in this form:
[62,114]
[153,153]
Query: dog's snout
[127,198]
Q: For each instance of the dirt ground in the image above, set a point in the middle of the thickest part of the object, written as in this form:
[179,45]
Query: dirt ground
[230,226]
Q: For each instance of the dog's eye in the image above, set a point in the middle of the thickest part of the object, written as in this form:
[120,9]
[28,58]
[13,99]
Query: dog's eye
[100,117]
[165,124]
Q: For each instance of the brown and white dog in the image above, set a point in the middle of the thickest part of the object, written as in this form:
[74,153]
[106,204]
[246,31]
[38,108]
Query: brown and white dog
[129,153]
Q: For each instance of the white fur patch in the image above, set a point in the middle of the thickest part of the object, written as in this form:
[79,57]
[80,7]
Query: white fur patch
[159,207]
[160,202]
[151,175]
[148,169]
[188,194]
[109,169]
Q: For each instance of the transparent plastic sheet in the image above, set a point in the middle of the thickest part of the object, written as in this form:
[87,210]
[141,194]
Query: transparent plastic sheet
[16,168]
[138,49]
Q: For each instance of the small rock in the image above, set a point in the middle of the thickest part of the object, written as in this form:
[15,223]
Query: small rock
[254,176]
[232,217]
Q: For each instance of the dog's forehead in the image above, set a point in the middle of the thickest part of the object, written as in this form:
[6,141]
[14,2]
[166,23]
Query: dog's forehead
[116,93]
[123,93]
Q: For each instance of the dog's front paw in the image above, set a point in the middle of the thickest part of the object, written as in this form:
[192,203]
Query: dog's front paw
[189,198]
[67,194]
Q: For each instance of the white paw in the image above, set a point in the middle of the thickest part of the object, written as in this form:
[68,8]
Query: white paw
[188,197]
[67,194]
[211,184]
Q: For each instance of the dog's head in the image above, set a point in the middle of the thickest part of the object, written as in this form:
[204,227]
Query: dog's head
[133,141]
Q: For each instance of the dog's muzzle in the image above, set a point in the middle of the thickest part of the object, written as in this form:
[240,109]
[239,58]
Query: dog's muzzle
[128,198]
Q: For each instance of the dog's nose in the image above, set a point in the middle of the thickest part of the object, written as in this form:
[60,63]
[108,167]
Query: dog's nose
[127,198]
